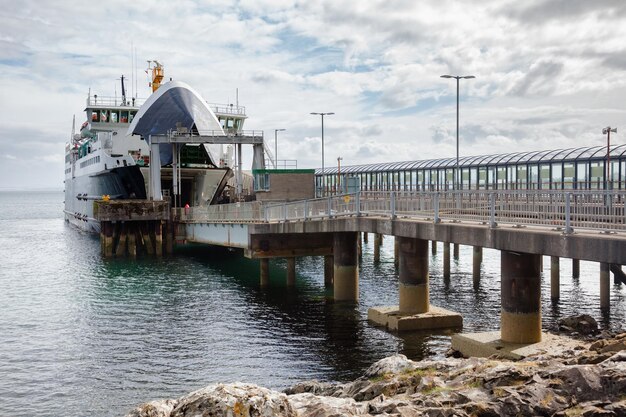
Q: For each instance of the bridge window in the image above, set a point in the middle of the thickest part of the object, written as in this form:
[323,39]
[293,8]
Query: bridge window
[94,116]
[522,176]
[114,116]
[597,175]
[511,177]
[544,172]
[124,116]
[501,174]
[491,177]
[482,178]
[568,175]
[131,116]
[582,176]
[557,176]
[533,177]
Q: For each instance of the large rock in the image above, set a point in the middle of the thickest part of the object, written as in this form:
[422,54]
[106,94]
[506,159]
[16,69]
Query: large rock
[391,365]
[309,405]
[583,324]
[233,400]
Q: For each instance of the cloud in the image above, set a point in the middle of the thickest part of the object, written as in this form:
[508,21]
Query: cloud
[548,73]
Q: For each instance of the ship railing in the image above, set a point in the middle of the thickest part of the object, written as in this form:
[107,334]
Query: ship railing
[222,213]
[560,210]
[228,109]
[219,133]
[96,100]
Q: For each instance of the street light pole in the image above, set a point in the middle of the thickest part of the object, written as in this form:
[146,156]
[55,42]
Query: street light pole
[276,146]
[609,172]
[322,114]
[339,159]
[456,184]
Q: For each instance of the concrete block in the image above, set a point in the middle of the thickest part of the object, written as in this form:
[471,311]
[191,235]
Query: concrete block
[483,345]
[435,318]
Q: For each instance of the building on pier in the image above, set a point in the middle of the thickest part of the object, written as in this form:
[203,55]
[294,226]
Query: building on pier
[584,168]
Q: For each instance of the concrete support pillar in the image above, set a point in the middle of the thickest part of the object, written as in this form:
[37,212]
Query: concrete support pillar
[329,269]
[576,268]
[605,295]
[555,278]
[291,272]
[434,247]
[346,270]
[456,251]
[359,246]
[477,257]
[541,263]
[395,251]
[521,298]
[413,275]
[265,271]
[378,240]
[446,259]
[365,238]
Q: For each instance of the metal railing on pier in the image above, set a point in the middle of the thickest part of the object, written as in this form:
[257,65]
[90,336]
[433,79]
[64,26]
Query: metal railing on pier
[560,210]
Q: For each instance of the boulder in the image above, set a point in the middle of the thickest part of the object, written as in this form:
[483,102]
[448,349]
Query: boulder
[160,408]
[237,400]
[310,405]
[583,324]
[391,365]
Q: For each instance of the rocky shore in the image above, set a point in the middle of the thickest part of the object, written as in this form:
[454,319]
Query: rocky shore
[587,378]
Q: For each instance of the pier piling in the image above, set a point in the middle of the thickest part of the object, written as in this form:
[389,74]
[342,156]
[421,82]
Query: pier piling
[555,277]
[264,272]
[413,275]
[456,251]
[521,297]
[346,270]
[605,295]
[291,272]
[329,271]
[378,241]
[575,268]
[434,247]
[446,259]
[477,256]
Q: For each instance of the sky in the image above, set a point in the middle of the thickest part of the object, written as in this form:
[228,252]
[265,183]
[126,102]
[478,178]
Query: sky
[550,74]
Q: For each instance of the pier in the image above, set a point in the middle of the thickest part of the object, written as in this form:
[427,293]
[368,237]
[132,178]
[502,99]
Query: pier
[523,225]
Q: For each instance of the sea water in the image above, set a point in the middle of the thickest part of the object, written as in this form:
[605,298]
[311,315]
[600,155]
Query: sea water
[85,336]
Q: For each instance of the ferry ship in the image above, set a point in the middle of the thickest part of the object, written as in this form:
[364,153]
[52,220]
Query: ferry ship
[110,156]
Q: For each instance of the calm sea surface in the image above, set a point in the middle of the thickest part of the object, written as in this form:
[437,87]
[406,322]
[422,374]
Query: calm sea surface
[83,336]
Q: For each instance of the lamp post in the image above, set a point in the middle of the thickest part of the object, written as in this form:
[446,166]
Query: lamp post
[609,172]
[322,114]
[457,78]
[276,146]
[339,159]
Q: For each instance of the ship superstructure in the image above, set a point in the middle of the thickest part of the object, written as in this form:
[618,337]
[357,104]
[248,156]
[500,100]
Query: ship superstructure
[110,155]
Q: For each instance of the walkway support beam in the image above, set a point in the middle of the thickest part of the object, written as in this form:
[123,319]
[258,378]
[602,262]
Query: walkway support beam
[413,275]
[521,297]
[346,270]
